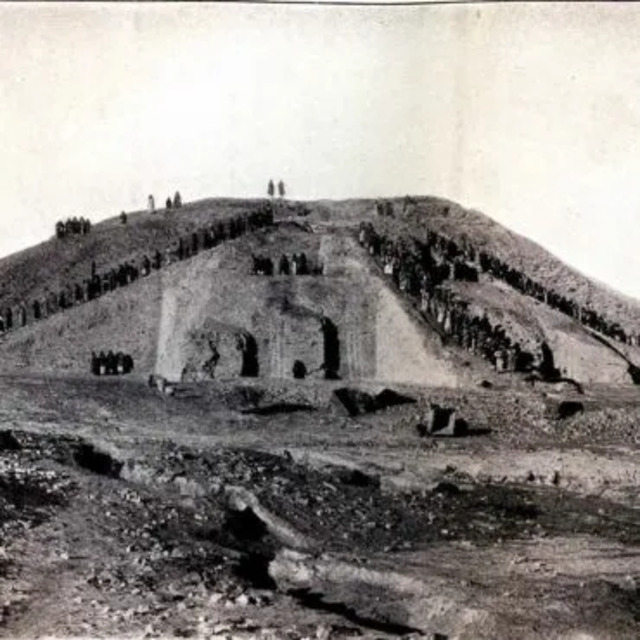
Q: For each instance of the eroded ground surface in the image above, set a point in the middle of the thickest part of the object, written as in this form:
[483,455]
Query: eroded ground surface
[253,511]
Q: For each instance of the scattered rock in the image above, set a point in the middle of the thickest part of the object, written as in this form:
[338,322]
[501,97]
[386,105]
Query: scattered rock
[358,478]
[568,408]
[242,600]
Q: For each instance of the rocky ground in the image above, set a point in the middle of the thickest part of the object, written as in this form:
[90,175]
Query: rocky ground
[239,511]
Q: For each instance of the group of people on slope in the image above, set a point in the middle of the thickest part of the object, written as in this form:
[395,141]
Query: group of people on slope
[296,265]
[465,261]
[420,270]
[72,226]
[111,364]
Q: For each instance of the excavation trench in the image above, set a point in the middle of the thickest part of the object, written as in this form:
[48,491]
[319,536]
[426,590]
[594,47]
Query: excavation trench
[346,566]
[379,599]
[249,521]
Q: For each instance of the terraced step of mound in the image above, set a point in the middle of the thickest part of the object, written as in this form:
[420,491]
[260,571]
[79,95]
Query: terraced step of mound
[576,352]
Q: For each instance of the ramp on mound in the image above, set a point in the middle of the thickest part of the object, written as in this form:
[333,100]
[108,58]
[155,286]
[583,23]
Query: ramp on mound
[376,338]
[195,319]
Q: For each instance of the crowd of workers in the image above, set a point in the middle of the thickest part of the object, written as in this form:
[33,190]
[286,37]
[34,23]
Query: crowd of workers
[297,265]
[525,285]
[467,258]
[418,269]
[519,281]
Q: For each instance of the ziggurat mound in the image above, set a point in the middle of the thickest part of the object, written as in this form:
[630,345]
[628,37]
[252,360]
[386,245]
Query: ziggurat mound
[189,321]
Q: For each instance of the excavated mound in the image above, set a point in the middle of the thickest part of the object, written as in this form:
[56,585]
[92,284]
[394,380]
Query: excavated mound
[208,318]
[246,502]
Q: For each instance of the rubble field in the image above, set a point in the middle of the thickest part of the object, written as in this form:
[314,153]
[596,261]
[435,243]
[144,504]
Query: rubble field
[236,511]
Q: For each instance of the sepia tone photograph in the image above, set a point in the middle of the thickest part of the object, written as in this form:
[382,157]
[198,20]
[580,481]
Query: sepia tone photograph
[320,320]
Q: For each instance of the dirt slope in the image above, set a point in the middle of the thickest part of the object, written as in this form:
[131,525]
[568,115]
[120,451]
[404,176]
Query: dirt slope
[126,514]
[577,353]
[48,265]
[457,222]
[57,262]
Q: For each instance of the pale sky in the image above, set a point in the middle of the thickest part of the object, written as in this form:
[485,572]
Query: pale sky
[528,112]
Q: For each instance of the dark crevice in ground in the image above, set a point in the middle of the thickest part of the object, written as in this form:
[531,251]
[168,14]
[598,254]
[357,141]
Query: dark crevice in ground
[8,441]
[253,568]
[85,455]
[314,600]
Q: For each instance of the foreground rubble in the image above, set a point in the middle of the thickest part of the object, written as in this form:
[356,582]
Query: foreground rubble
[252,512]
[232,542]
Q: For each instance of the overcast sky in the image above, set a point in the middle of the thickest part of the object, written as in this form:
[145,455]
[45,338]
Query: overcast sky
[528,112]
